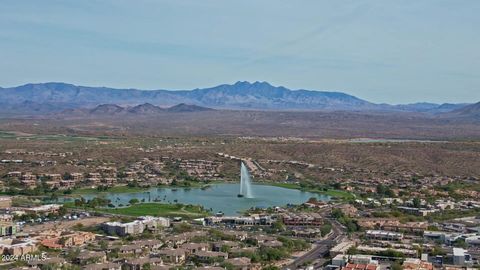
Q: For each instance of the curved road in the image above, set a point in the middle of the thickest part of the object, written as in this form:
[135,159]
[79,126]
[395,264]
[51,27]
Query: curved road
[322,248]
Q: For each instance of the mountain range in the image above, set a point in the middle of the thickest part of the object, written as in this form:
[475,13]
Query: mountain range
[146,109]
[472,110]
[61,97]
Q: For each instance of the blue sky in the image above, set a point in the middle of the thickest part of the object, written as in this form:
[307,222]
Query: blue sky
[383,51]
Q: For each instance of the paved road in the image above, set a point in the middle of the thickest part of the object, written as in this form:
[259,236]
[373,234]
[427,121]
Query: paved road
[322,248]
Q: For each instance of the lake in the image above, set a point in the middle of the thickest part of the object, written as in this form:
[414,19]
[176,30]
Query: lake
[218,197]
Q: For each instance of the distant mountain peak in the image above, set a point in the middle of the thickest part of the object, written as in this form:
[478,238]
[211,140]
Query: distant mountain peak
[182,107]
[247,83]
[107,109]
[472,110]
[145,108]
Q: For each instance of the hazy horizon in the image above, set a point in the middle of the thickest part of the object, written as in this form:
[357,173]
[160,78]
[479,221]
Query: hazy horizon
[395,52]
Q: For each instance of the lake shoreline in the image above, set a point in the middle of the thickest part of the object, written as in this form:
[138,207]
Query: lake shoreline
[217,197]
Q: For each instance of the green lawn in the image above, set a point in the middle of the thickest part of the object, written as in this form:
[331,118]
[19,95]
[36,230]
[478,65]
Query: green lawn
[159,209]
[341,194]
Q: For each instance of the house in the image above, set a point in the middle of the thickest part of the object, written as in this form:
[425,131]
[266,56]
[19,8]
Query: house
[6,218]
[17,247]
[103,266]
[68,239]
[306,232]
[152,245]
[417,211]
[67,184]
[87,257]
[192,248]
[351,266]
[238,235]
[383,235]
[302,219]
[178,239]
[393,225]
[135,249]
[138,263]
[77,177]
[94,178]
[416,264]
[208,256]
[241,263]
[260,238]
[252,220]
[341,260]
[56,262]
[15,174]
[173,255]
[53,176]
[29,180]
[29,177]
[224,245]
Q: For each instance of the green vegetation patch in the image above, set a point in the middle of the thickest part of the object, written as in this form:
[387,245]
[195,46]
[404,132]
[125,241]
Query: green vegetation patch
[336,193]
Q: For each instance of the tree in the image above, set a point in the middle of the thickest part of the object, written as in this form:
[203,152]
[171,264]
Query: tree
[337,213]
[385,190]
[417,202]
[103,244]
[437,250]
[460,243]
[72,254]
[134,201]
[62,211]
[62,241]
[326,228]
[278,226]
[67,176]
[352,251]
[397,266]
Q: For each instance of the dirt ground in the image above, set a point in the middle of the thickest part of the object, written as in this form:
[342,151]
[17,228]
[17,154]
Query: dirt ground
[63,225]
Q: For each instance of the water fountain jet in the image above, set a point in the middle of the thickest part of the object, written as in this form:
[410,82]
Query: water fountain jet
[245,182]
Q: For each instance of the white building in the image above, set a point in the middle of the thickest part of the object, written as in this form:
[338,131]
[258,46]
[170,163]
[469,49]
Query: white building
[461,257]
[383,235]
[136,227]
